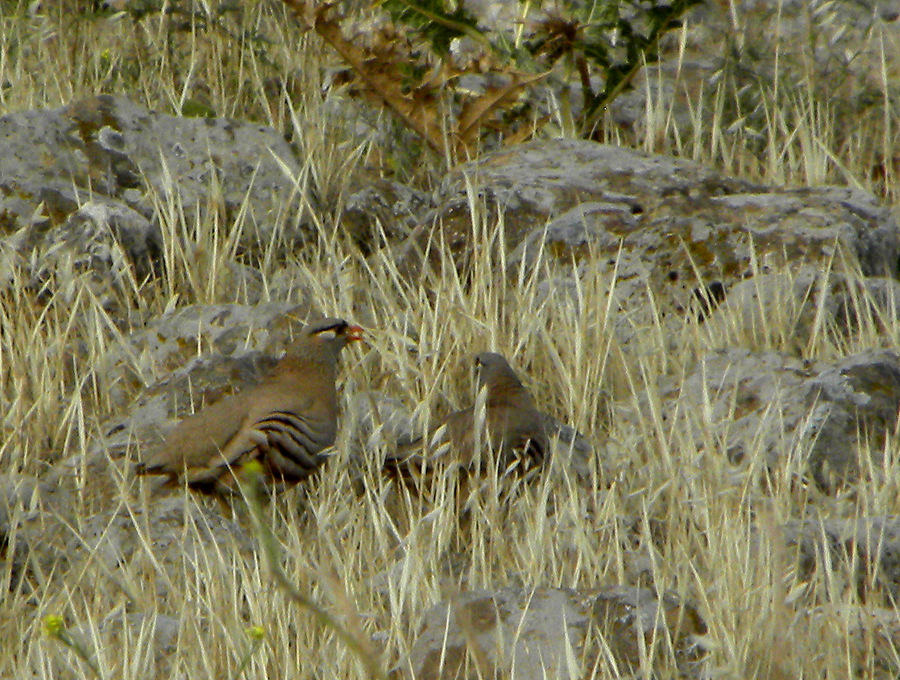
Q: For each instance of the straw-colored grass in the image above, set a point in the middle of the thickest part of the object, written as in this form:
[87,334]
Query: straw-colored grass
[663,502]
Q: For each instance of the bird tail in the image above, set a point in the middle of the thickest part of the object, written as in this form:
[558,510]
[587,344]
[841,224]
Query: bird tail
[407,462]
[143,468]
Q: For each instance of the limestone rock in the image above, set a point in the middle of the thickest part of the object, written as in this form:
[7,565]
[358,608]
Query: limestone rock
[119,628]
[776,404]
[661,223]
[541,633]
[86,187]
[871,545]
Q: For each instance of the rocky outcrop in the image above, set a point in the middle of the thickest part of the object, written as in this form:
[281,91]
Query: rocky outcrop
[676,228]
[95,186]
[872,542]
[822,415]
[541,633]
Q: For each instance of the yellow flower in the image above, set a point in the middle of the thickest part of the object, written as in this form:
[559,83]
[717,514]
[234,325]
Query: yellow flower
[251,468]
[255,632]
[53,625]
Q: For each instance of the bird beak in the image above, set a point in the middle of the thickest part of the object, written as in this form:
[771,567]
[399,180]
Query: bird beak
[354,333]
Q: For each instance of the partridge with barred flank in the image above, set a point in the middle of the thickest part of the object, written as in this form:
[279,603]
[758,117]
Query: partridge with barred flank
[285,422]
[513,426]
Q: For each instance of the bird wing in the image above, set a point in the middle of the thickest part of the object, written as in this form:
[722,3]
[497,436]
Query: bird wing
[455,438]
[523,430]
[199,437]
[404,450]
[287,430]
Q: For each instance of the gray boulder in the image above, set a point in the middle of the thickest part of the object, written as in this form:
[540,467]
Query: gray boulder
[543,633]
[94,185]
[671,226]
[818,413]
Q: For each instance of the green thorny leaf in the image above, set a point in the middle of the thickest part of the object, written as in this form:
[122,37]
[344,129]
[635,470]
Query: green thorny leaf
[639,45]
[434,22]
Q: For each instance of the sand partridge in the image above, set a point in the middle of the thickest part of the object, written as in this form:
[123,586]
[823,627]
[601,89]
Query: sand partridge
[514,427]
[285,422]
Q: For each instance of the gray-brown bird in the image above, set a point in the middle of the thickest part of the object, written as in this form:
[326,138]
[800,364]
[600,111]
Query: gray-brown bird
[285,422]
[513,426]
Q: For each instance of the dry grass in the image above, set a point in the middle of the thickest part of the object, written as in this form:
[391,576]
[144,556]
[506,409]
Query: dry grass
[377,561]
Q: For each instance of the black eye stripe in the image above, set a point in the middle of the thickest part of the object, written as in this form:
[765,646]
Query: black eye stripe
[337,329]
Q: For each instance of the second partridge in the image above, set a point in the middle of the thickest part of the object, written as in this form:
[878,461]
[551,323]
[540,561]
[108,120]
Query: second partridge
[514,427]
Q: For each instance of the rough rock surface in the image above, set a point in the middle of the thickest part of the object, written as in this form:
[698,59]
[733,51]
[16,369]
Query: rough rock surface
[118,628]
[817,413]
[658,226]
[674,220]
[379,209]
[873,541]
[52,538]
[90,186]
[536,634]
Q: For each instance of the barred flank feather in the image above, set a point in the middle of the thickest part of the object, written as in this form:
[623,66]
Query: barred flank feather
[293,444]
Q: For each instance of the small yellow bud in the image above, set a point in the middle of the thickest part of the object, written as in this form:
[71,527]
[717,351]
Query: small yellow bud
[255,632]
[252,468]
[53,625]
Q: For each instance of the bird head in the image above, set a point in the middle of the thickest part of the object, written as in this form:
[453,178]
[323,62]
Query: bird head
[494,372]
[333,330]
[324,335]
[489,366]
